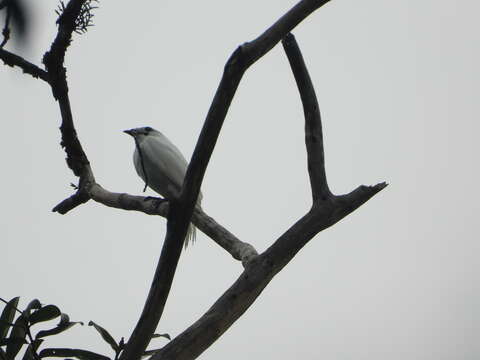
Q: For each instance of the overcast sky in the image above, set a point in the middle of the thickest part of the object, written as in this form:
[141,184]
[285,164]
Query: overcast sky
[397,83]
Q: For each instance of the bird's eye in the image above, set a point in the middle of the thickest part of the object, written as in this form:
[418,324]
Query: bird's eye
[148,129]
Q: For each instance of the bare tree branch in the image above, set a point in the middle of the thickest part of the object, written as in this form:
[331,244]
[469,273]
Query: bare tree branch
[53,59]
[249,285]
[313,122]
[240,60]
[6,28]
[147,205]
[328,207]
[70,203]
[326,211]
[181,210]
[238,249]
[322,215]
[12,60]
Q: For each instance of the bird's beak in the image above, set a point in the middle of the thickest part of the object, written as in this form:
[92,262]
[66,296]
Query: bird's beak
[129,132]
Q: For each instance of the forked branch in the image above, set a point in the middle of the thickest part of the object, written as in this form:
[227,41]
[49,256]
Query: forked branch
[260,271]
[327,209]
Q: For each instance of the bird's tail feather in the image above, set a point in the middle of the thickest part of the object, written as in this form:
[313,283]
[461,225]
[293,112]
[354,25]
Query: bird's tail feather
[192,230]
[191,235]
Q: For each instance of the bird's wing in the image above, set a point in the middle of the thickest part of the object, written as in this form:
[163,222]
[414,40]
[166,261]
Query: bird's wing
[164,164]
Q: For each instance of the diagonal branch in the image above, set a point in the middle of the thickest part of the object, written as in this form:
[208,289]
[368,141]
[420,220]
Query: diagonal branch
[238,249]
[323,215]
[313,122]
[12,60]
[260,271]
[155,206]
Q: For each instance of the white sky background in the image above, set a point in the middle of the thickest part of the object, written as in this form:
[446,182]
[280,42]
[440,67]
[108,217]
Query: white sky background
[397,83]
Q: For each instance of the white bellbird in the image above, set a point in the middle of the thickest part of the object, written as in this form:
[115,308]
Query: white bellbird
[161,166]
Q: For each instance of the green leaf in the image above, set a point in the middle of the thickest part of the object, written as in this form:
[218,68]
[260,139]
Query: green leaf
[63,325]
[106,336]
[162,335]
[33,305]
[9,341]
[19,331]
[46,313]
[6,319]
[76,353]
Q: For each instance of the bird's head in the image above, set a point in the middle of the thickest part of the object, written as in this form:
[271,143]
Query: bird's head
[141,131]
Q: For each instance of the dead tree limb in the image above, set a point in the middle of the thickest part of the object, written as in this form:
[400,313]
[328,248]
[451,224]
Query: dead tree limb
[327,209]
[313,122]
[239,250]
[54,59]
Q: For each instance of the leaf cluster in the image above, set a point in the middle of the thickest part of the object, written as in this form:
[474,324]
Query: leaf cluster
[16,332]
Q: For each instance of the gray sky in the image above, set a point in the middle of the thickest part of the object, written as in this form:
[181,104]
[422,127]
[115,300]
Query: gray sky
[398,279]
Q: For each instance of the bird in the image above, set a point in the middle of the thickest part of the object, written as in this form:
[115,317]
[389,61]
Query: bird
[161,166]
